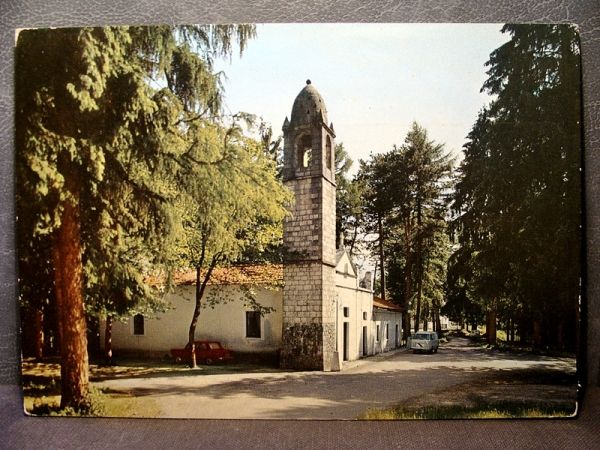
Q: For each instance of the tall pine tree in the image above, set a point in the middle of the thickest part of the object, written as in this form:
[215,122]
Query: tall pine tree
[99,142]
[518,200]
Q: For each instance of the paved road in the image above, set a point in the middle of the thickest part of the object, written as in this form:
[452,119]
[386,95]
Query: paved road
[376,382]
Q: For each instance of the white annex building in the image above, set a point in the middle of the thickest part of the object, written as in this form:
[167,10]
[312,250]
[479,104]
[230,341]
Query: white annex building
[324,311]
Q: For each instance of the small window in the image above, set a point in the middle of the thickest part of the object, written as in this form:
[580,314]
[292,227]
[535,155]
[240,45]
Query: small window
[377,335]
[346,312]
[252,324]
[364,315]
[387,330]
[138,324]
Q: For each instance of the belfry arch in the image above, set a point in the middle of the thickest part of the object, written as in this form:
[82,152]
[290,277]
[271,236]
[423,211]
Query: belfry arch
[304,151]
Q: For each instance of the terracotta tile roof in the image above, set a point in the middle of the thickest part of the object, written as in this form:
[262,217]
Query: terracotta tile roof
[238,274]
[384,304]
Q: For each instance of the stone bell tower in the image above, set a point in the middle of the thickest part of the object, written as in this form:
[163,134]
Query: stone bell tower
[308,340]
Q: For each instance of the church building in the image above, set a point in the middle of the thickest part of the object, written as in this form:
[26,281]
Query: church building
[324,314]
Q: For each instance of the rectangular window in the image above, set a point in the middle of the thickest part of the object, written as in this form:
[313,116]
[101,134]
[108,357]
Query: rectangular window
[346,312]
[377,335]
[252,324]
[387,330]
[138,324]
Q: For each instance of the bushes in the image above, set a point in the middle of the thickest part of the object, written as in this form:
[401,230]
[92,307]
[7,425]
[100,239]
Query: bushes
[94,406]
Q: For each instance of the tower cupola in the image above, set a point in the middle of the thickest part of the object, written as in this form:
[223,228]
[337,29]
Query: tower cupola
[309,107]
[309,141]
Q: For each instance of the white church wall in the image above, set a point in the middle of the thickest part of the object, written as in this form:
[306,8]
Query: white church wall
[365,330]
[225,323]
[354,309]
[388,330]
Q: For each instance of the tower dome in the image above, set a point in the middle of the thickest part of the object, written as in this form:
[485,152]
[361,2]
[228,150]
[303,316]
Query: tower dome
[309,107]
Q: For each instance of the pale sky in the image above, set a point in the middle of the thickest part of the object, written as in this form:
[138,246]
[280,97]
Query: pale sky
[375,79]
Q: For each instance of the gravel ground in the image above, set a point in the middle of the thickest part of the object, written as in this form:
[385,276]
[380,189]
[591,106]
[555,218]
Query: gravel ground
[460,373]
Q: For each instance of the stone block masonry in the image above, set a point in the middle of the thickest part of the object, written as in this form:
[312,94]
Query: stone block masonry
[309,334]
[309,233]
[308,337]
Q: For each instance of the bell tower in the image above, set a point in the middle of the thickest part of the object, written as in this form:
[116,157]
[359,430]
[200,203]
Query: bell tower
[308,339]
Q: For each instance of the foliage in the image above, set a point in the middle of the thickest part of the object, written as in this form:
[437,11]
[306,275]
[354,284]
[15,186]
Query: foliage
[349,203]
[230,201]
[103,123]
[406,206]
[93,406]
[517,205]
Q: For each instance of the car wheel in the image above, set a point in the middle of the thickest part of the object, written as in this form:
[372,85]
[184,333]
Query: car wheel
[178,360]
[435,350]
[209,361]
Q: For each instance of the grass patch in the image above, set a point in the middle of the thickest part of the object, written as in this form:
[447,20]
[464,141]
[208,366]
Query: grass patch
[41,385]
[126,404]
[45,401]
[50,405]
[502,410]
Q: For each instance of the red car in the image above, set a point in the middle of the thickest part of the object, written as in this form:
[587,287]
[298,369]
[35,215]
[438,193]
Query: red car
[207,351]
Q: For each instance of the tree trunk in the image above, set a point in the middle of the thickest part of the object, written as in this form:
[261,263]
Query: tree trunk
[512,330]
[381,257]
[108,341]
[406,330]
[69,300]
[407,277]
[39,333]
[491,324]
[353,242]
[200,287]
[195,317]
[560,334]
[537,333]
[419,263]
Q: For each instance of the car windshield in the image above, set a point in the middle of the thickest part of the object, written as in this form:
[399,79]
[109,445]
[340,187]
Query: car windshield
[424,337]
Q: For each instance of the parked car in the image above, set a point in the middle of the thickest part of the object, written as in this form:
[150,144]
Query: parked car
[207,351]
[425,341]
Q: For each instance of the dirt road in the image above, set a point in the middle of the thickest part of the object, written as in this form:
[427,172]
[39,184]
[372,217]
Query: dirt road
[458,372]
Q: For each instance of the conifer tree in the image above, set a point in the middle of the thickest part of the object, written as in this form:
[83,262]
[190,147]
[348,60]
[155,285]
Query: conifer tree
[101,124]
[517,204]
[405,205]
[348,200]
